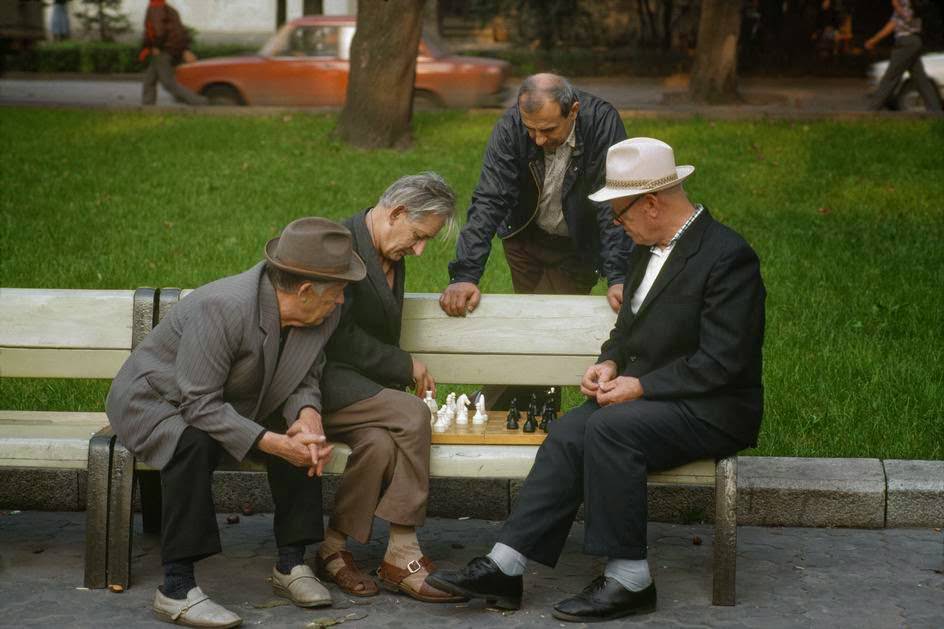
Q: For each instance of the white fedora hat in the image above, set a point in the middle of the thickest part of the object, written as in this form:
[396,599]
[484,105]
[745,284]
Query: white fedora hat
[639,166]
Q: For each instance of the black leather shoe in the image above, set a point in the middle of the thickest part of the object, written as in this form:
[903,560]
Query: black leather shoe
[606,599]
[481,578]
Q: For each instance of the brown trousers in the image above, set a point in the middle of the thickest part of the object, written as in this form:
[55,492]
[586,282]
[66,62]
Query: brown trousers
[540,264]
[387,474]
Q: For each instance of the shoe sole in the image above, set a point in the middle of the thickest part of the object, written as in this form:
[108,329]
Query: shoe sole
[572,618]
[399,588]
[498,602]
[324,575]
[280,591]
[164,616]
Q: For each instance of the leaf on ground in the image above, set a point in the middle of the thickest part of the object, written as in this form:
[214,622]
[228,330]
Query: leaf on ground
[272,602]
[320,623]
[824,210]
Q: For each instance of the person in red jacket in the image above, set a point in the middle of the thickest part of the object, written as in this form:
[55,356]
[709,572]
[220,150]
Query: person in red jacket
[165,44]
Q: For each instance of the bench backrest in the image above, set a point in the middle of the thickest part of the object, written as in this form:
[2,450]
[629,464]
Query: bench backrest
[50,333]
[513,339]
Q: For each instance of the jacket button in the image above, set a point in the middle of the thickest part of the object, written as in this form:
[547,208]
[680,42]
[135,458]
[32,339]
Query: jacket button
[633,359]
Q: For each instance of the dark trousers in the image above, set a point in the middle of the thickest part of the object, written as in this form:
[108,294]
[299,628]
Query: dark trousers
[540,264]
[600,457]
[161,69]
[906,57]
[189,531]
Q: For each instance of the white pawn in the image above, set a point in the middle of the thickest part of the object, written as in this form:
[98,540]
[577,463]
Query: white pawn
[480,416]
[451,406]
[442,422]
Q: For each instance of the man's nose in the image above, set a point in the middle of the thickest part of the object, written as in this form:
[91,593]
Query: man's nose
[540,139]
[418,248]
[340,298]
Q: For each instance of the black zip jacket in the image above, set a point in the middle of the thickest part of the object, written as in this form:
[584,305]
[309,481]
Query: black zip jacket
[505,200]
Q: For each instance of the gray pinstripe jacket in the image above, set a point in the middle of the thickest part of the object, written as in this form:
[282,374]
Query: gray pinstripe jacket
[211,364]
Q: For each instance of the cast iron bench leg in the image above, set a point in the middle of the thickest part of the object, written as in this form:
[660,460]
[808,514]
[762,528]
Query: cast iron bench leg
[725,546]
[120,524]
[96,509]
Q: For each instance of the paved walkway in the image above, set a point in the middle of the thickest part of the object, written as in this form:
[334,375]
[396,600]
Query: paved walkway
[776,96]
[787,577]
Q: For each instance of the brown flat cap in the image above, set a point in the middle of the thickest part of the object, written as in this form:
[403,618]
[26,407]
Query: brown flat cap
[317,248]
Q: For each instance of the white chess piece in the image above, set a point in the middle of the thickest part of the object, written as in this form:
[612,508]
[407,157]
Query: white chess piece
[480,416]
[451,406]
[462,409]
[431,403]
[442,422]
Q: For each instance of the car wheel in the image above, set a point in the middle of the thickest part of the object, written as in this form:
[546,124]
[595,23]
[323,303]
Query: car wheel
[908,98]
[223,95]
[425,101]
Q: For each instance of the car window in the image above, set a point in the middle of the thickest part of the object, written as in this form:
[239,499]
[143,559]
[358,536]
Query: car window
[313,41]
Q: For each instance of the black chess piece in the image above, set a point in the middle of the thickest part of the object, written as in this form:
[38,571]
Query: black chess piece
[531,424]
[513,415]
[547,416]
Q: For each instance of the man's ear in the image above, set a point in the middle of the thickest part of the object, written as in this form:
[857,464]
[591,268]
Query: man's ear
[652,205]
[575,108]
[396,213]
[302,290]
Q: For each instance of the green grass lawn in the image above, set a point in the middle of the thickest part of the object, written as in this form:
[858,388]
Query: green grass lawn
[846,217]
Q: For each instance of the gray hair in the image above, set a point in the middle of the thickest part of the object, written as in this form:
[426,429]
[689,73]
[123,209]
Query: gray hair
[287,282]
[423,194]
[538,89]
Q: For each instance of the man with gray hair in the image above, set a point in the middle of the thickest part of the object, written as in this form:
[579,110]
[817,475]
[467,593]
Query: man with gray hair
[545,156]
[366,405]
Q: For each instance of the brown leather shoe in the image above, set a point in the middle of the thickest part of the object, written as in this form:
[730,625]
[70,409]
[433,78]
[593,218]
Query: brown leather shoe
[349,577]
[391,577]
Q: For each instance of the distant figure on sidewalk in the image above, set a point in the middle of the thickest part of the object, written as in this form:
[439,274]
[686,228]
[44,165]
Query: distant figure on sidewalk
[906,56]
[59,24]
[166,43]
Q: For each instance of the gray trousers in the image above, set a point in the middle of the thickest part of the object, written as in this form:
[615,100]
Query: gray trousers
[161,69]
[906,56]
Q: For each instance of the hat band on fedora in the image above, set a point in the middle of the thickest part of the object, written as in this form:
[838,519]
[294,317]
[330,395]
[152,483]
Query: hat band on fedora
[640,183]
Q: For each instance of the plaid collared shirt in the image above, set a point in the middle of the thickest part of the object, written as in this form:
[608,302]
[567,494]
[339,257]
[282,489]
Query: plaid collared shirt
[691,219]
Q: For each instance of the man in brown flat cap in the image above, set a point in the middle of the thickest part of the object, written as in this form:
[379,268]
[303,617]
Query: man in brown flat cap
[235,368]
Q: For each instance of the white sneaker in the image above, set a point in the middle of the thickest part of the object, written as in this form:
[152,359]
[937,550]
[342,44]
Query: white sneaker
[300,586]
[197,610]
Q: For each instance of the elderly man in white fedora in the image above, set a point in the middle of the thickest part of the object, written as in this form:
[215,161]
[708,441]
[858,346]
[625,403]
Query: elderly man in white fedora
[235,368]
[678,379]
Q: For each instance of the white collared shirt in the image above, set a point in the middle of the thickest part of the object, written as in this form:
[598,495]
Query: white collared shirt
[657,257]
[550,216]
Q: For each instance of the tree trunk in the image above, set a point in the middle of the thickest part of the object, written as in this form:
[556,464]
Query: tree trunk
[379,102]
[714,76]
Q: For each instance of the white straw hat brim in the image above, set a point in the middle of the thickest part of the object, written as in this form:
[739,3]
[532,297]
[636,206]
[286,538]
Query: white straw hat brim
[608,192]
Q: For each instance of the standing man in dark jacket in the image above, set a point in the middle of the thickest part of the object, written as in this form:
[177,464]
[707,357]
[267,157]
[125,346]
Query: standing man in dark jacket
[546,154]
[166,43]
[679,379]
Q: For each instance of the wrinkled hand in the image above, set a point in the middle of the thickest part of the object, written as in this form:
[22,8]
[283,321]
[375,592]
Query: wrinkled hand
[614,295]
[460,299]
[297,449]
[595,376]
[423,379]
[621,389]
[309,423]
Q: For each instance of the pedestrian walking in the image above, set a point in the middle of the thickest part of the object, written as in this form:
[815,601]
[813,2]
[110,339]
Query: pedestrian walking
[59,24]
[166,43]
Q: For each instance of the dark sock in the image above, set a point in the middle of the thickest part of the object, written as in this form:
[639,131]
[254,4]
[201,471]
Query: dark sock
[178,579]
[289,557]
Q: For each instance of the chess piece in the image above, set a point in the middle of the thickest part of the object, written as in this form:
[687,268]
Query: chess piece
[431,403]
[442,420]
[451,406]
[548,415]
[462,409]
[530,425]
[513,415]
[480,416]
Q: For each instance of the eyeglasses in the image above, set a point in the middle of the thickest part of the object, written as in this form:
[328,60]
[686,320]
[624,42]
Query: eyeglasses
[618,216]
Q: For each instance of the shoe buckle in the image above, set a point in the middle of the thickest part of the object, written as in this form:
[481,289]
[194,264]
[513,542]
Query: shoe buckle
[414,566]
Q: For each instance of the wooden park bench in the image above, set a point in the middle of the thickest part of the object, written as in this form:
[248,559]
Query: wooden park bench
[510,339]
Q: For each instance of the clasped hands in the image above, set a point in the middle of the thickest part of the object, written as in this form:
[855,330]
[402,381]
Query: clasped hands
[303,445]
[601,383]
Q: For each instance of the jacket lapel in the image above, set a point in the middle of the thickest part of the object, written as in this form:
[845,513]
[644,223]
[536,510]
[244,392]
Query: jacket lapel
[269,323]
[685,248]
[390,299]
[301,349]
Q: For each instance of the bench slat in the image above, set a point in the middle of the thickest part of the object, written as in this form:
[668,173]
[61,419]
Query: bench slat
[19,362]
[506,369]
[573,325]
[54,417]
[77,319]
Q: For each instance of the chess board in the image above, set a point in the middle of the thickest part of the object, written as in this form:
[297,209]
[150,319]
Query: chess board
[492,433]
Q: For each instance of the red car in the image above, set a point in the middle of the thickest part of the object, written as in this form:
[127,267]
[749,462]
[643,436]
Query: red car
[306,63]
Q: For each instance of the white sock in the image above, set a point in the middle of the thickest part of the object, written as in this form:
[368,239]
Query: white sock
[508,560]
[632,574]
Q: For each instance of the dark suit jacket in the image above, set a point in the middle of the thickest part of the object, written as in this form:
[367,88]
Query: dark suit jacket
[364,354]
[698,336]
[213,363]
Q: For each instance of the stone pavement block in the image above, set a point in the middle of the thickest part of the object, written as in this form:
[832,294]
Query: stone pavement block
[915,493]
[791,491]
[485,498]
[39,489]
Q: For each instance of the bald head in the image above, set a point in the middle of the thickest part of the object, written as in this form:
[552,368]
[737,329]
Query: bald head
[539,89]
